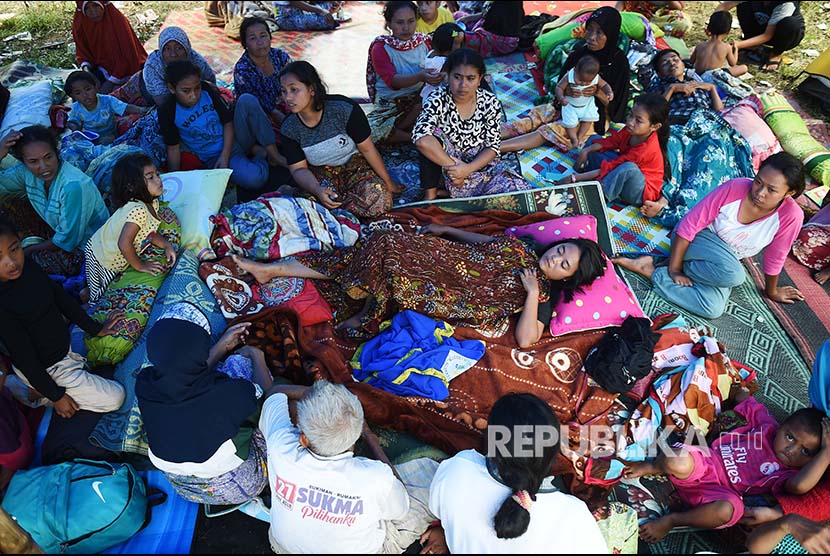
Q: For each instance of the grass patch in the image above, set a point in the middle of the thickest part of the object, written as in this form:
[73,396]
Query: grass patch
[50,24]
[788,76]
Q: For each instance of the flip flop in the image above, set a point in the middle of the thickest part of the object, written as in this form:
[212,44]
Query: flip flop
[771,66]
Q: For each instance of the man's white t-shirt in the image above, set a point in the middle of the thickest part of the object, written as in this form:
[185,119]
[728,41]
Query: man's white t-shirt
[466,498]
[325,504]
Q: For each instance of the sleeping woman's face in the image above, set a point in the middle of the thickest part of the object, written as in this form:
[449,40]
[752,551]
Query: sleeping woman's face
[560,261]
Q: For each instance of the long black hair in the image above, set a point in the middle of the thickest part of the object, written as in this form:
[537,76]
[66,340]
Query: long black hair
[34,134]
[391,8]
[657,108]
[308,76]
[790,167]
[128,183]
[465,57]
[520,468]
[591,266]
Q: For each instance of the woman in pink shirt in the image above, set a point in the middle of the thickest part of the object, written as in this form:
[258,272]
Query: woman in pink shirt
[737,220]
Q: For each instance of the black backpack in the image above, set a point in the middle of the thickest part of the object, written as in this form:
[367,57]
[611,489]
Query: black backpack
[623,355]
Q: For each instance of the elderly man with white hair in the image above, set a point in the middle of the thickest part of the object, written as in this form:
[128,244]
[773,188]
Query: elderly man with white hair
[324,498]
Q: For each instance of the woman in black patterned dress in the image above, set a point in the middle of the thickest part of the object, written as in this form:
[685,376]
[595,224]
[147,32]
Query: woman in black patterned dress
[457,134]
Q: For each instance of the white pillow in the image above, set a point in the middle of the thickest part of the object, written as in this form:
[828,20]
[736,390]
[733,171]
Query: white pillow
[27,106]
[195,196]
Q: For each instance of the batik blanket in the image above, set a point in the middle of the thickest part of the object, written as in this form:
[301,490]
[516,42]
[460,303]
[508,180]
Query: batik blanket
[272,227]
[550,369]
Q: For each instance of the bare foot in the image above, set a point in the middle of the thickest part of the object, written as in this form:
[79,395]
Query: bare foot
[635,469]
[644,266]
[654,531]
[650,209]
[262,272]
[822,275]
[430,194]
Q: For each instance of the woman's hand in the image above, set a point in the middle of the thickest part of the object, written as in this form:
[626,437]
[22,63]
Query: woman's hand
[432,77]
[233,336]
[786,295]
[8,142]
[222,161]
[458,172]
[170,254]
[433,541]
[680,279]
[151,267]
[66,407]
[394,187]
[436,230]
[328,198]
[529,281]
[111,324]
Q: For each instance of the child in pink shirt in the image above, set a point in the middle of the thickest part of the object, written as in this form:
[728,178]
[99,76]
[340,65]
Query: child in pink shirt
[758,458]
[737,220]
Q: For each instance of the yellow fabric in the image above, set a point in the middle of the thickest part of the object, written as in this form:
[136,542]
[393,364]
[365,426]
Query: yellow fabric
[105,241]
[444,16]
[821,65]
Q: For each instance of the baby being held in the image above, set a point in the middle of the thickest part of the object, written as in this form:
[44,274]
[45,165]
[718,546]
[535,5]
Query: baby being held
[579,111]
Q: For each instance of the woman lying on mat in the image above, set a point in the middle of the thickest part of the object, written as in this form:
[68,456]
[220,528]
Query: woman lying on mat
[62,196]
[737,220]
[457,134]
[812,247]
[478,280]
[173,46]
[328,146]
[201,423]
[395,74]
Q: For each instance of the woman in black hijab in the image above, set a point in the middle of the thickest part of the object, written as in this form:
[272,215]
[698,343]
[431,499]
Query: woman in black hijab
[200,422]
[602,31]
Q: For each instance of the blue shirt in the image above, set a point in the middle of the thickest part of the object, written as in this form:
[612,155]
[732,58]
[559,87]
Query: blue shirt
[101,120]
[200,127]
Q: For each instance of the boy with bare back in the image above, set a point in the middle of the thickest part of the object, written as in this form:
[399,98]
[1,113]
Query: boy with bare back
[714,53]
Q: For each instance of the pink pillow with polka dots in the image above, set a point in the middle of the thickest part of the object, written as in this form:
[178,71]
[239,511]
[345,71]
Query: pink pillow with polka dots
[605,302]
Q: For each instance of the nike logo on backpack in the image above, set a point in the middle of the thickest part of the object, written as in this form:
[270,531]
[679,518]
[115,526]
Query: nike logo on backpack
[96,488]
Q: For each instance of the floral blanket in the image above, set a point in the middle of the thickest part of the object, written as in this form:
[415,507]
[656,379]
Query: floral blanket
[273,226]
[704,153]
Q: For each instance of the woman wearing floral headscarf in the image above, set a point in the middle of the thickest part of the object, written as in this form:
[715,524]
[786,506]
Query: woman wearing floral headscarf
[200,422]
[105,43]
[173,46]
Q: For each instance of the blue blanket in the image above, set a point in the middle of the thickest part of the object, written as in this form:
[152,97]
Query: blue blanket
[414,355]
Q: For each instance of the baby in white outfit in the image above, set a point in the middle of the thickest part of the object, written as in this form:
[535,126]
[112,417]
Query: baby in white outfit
[580,111]
[447,38]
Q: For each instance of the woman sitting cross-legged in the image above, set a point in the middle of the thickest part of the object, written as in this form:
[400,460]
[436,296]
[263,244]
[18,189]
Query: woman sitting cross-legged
[395,74]
[478,280]
[201,423]
[737,220]
[328,146]
[457,134]
[257,72]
